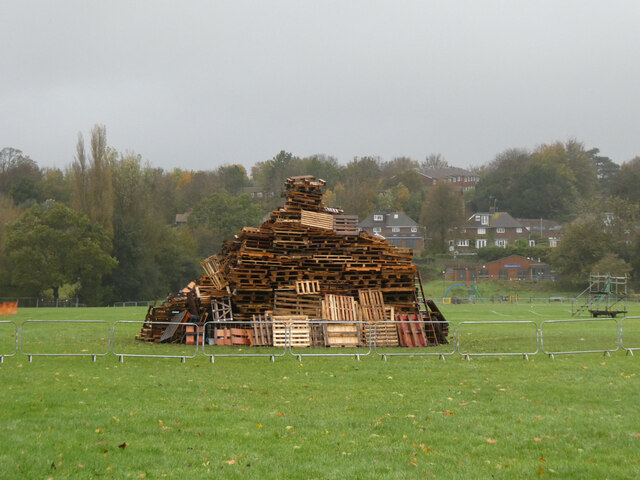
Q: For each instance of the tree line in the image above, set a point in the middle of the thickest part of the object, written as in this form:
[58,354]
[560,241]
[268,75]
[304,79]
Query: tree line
[103,228]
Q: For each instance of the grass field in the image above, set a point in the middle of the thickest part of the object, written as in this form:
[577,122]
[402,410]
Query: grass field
[575,416]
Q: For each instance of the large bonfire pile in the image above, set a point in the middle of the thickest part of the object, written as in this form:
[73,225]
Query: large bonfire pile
[305,262]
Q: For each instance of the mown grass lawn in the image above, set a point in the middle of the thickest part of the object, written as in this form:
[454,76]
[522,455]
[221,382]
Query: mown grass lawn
[577,416]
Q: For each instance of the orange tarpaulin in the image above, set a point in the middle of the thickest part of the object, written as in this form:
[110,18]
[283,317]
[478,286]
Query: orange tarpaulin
[8,308]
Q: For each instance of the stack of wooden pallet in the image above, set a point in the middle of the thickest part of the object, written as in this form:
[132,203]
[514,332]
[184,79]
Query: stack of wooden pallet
[306,246]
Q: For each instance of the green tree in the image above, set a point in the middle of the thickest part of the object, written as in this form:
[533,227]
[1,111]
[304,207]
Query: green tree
[51,245]
[219,217]
[19,176]
[442,210]
[584,243]
[627,181]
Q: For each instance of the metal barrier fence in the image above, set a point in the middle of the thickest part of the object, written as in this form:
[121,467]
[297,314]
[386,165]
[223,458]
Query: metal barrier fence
[75,344]
[124,343]
[632,326]
[227,339]
[528,340]
[336,334]
[589,341]
[94,338]
[8,336]
[440,351]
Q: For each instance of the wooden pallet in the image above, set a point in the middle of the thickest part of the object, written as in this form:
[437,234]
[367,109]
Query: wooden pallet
[308,287]
[299,330]
[262,330]
[316,220]
[411,331]
[340,312]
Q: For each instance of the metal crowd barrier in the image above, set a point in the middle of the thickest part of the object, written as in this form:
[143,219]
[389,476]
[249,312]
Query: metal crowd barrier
[228,336]
[56,324]
[142,346]
[342,333]
[534,337]
[571,336]
[627,348]
[418,350]
[15,340]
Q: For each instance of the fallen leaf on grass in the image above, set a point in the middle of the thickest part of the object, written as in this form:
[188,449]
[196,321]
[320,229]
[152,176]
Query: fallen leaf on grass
[231,462]
[142,475]
[413,463]
[123,445]
[585,367]
[465,404]
[537,439]
[448,412]
[637,435]
[491,440]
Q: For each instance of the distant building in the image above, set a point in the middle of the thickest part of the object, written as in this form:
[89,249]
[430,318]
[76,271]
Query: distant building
[462,179]
[542,230]
[514,267]
[181,218]
[397,228]
[486,228]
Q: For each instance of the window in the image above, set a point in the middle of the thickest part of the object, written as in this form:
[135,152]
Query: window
[484,220]
[499,230]
[482,231]
[477,218]
[501,243]
[377,218]
[395,229]
[532,243]
[481,242]
[463,243]
[518,230]
[414,229]
[395,215]
[377,229]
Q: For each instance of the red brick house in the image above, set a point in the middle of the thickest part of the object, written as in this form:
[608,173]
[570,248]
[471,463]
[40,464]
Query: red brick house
[397,228]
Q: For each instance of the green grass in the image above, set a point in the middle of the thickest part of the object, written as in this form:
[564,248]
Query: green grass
[326,418]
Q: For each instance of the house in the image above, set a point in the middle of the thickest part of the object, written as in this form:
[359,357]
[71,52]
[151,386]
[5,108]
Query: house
[181,218]
[513,267]
[488,228]
[542,230]
[397,228]
[462,179]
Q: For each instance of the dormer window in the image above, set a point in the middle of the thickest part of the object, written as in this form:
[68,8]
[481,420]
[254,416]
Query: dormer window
[484,220]
[378,218]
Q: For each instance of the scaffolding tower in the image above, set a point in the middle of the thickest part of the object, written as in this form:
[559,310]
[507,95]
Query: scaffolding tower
[605,296]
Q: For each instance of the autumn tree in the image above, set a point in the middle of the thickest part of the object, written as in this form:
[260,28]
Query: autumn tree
[442,210]
[93,192]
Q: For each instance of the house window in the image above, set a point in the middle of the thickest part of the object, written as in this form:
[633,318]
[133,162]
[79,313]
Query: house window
[501,243]
[482,231]
[553,242]
[463,243]
[414,229]
[481,243]
[484,220]
[377,229]
[518,230]
[499,230]
[395,215]
[395,229]
[532,243]
[477,218]
[377,218]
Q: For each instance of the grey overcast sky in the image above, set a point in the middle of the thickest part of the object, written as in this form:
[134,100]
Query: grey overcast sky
[198,84]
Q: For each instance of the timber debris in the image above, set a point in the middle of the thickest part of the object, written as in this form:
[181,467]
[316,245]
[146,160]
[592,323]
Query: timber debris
[305,263]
